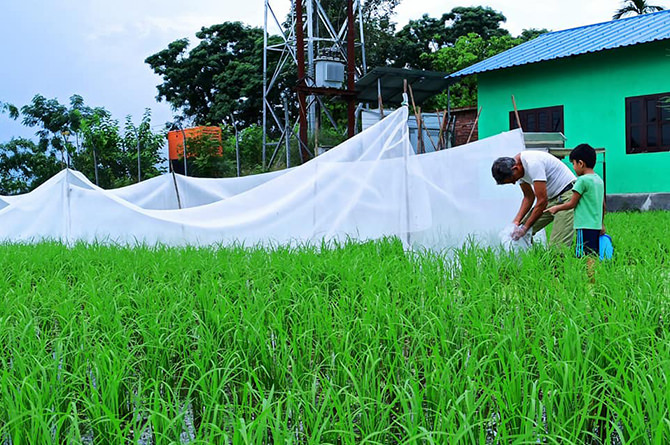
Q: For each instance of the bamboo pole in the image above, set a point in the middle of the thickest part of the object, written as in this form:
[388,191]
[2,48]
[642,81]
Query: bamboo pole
[379,98]
[417,116]
[443,124]
[435,146]
[472,130]
[516,113]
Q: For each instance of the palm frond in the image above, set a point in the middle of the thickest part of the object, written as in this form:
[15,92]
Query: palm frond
[624,11]
[637,7]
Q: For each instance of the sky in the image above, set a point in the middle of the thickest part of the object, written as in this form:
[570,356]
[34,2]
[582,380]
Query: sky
[97,48]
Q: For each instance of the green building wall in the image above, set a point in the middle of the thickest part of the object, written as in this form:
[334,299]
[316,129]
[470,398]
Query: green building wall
[592,89]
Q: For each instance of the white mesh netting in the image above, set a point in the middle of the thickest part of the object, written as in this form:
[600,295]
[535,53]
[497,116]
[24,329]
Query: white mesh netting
[369,187]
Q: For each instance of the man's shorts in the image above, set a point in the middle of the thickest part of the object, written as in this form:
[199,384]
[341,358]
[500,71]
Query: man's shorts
[588,242]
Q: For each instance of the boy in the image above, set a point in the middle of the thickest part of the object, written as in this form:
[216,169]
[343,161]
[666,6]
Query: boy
[588,200]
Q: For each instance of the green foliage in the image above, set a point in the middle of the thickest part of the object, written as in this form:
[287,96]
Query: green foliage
[636,7]
[348,344]
[531,33]
[467,50]
[209,157]
[460,38]
[379,31]
[251,144]
[10,109]
[83,138]
[150,144]
[422,37]
[207,82]
[99,157]
[474,19]
[418,37]
[24,165]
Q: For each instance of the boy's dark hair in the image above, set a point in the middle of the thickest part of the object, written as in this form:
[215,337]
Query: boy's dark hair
[502,169]
[584,153]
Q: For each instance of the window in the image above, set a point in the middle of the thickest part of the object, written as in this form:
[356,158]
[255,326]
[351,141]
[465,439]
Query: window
[545,120]
[648,123]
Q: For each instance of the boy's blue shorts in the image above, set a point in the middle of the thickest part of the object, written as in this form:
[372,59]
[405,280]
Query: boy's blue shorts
[588,242]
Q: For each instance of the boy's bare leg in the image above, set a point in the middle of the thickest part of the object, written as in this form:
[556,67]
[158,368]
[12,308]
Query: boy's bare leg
[590,265]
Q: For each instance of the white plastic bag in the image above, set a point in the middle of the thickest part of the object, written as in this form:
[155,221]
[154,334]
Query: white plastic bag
[510,244]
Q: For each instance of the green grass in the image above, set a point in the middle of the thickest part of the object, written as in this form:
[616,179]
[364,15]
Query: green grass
[351,344]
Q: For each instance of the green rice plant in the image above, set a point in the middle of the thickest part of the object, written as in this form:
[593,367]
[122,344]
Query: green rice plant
[337,344]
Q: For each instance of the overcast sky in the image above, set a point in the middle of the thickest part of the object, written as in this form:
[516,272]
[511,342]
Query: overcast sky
[97,48]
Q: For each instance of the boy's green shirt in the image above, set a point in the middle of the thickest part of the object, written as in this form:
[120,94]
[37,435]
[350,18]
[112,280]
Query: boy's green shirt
[589,210]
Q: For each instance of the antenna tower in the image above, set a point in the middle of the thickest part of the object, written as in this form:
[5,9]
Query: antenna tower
[323,57]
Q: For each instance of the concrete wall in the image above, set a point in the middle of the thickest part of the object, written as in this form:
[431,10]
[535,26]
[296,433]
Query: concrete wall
[592,89]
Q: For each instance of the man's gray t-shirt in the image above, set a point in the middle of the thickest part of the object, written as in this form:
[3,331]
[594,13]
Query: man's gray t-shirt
[542,166]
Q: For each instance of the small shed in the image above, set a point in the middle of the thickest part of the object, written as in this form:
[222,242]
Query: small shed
[443,129]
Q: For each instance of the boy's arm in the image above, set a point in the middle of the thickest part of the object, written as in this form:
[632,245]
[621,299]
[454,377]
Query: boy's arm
[566,205]
[602,230]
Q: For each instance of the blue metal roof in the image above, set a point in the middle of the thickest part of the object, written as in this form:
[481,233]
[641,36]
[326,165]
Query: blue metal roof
[585,39]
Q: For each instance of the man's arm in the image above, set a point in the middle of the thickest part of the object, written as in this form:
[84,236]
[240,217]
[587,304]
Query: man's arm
[567,205]
[540,188]
[526,203]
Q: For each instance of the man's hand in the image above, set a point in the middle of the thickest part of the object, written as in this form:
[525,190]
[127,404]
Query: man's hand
[553,210]
[519,232]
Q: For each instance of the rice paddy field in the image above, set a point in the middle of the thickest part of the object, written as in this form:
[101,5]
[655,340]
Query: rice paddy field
[352,344]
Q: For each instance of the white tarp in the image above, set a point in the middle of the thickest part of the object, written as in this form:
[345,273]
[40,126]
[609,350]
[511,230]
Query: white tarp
[369,187]
[173,191]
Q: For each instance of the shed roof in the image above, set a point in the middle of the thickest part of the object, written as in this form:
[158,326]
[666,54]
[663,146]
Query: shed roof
[425,84]
[584,39]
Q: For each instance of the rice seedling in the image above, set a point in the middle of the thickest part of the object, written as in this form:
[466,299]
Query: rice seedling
[347,344]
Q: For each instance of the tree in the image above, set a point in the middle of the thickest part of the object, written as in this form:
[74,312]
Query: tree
[10,109]
[149,144]
[378,29]
[635,7]
[207,82]
[24,165]
[56,123]
[531,33]
[210,157]
[100,139]
[418,37]
[89,140]
[469,49]
[428,35]
[474,19]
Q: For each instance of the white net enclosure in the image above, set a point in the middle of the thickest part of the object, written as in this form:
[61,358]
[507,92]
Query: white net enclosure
[369,187]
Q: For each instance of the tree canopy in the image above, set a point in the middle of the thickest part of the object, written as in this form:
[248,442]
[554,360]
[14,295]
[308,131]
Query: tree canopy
[222,74]
[429,34]
[79,137]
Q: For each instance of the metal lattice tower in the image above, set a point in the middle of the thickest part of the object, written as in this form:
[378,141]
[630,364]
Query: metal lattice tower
[307,22]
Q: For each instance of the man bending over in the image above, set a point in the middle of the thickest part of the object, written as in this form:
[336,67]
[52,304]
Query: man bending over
[545,182]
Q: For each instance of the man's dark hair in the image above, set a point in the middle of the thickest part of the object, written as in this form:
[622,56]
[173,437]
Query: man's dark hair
[584,153]
[502,169]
